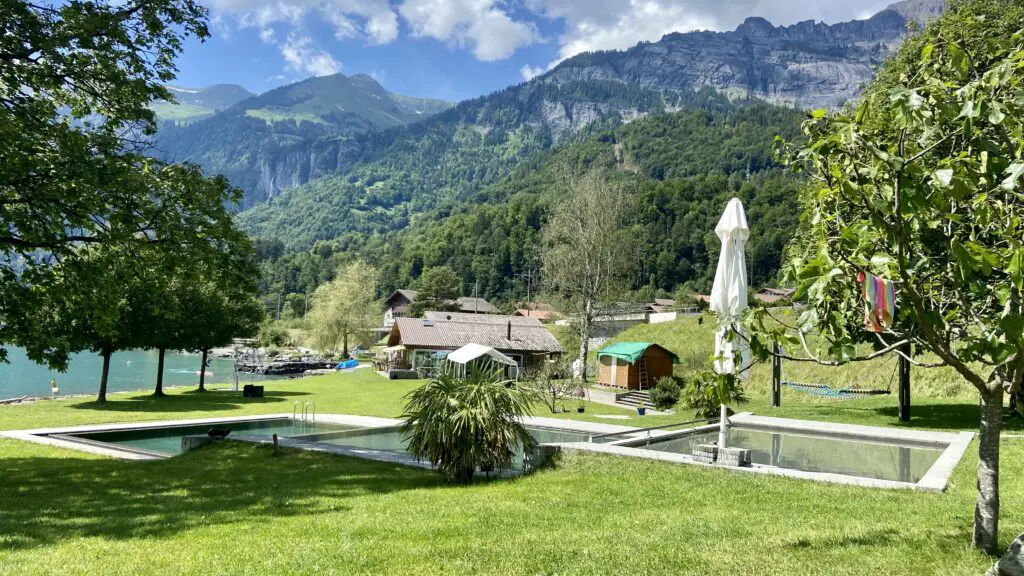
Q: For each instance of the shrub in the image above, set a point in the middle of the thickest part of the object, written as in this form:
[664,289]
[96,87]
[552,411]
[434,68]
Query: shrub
[554,383]
[705,391]
[461,424]
[665,394]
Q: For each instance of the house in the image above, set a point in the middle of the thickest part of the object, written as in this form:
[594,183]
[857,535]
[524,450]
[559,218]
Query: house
[475,305]
[773,295]
[634,365]
[538,310]
[422,343]
[397,305]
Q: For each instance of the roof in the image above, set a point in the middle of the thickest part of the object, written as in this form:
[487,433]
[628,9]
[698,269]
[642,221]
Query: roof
[664,302]
[470,304]
[409,295]
[470,318]
[784,292]
[471,352]
[632,351]
[528,334]
[538,314]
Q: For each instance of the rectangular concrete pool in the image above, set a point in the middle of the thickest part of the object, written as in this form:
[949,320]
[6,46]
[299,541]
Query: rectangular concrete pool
[166,440]
[889,460]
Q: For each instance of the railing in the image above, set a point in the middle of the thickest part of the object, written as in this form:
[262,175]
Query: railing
[639,432]
[310,405]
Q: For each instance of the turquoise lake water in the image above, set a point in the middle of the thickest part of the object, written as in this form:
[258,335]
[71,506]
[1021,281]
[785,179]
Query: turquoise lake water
[129,370]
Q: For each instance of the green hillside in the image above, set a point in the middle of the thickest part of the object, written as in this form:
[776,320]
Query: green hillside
[192,104]
[481,210]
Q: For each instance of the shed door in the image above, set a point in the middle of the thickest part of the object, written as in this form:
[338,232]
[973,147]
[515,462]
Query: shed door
[615,371]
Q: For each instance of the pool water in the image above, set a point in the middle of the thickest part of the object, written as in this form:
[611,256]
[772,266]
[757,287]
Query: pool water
[391,440]
[809,453]
[167,440]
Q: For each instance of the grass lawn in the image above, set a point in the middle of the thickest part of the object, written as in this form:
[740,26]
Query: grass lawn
[236,509]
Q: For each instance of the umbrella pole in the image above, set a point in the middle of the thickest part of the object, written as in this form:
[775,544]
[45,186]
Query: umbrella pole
[723,423]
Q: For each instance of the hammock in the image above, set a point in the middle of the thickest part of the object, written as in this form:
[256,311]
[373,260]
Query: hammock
[851,391]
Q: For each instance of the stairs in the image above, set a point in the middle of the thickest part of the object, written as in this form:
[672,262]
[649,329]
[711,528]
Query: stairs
[633,398]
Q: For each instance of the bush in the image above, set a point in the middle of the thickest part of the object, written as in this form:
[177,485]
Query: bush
[665,394]
[462,424]
[705,391]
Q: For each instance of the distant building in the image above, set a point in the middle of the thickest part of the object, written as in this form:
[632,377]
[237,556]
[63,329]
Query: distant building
[538,310]
[773,295]
[397,305]
[425,342]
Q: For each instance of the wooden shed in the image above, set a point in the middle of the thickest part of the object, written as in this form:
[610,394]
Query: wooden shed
[634,365]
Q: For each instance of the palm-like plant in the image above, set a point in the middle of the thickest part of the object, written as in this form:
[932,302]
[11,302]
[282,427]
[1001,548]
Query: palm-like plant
[461,424]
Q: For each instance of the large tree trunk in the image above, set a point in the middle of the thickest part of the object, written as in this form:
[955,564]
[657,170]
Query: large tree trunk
[202,372]
[584,339]
[160,375]
[102,398]
[986,513]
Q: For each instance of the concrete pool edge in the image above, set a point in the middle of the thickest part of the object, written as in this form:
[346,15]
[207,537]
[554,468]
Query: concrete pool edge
[936,479]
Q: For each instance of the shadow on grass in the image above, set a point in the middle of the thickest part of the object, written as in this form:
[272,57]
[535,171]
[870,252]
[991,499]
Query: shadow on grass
[961,416]
[188,402]
[60,499]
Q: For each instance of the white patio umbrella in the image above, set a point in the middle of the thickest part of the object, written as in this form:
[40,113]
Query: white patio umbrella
[729,295]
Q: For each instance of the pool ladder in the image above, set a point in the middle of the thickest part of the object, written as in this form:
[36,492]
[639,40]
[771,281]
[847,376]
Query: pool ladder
[308,411]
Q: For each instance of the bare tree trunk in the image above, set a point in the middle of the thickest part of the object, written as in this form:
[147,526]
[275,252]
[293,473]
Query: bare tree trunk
[202,372]
[585,339]
[102,398]
[160,375]
[986,513]
[344,345]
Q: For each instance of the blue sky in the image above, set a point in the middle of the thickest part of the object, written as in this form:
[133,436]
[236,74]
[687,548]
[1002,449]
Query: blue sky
[452,49]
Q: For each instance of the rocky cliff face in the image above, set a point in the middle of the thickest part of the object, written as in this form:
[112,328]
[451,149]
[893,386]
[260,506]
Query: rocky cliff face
[807,65]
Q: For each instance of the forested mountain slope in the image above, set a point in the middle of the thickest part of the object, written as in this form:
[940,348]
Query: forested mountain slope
[292,134]
[681,168]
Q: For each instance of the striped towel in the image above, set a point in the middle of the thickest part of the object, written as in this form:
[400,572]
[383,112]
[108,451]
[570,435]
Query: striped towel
[879,301]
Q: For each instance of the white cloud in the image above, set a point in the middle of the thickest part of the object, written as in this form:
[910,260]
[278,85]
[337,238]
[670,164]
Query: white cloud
[301,56]
[482,26]
[373,20]
[531,72]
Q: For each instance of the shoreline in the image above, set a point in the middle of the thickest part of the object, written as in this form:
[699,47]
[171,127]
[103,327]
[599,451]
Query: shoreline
[19,400]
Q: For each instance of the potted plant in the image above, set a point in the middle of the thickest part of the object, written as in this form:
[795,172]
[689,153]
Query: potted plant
[642,408]
[581,408]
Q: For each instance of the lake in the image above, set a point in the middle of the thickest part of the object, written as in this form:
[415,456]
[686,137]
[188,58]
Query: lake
[129,370]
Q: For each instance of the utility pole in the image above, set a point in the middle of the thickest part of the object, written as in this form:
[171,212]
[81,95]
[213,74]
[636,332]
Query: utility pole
[305,304]
[476,297]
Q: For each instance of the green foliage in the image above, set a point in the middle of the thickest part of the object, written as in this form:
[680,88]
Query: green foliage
[461,425]
[666,393]
[101,203]
[681,169]
[554,383]
[272,334]
[344,308]
[439,287]
[705,391]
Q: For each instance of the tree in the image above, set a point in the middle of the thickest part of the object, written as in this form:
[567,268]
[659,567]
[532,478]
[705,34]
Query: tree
[923,183]
[439,290]
[554,382]
[345,307]
[583,259]
[76,82]
[295,306]
[213,314]
[461,425]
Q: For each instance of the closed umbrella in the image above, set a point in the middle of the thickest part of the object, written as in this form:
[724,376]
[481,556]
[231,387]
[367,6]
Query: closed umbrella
[729,295]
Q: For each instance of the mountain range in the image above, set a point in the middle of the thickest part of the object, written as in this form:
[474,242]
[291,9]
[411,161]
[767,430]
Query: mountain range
[325,126]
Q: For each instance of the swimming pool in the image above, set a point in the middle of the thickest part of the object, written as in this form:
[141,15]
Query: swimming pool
[390,439]
[888,460]
[166,440]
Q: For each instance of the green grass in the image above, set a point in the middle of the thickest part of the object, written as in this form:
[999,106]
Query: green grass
[236,509]
[180,112]
[271,116]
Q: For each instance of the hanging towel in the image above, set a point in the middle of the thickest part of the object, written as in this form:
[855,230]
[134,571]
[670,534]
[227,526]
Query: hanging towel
[879,301]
